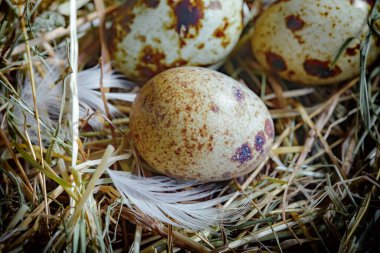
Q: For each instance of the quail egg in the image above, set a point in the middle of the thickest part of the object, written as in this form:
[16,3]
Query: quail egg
[198,124]
[299,39]
[150,36]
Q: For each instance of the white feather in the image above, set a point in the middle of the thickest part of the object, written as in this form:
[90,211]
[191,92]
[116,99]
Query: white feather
[90,98]
[89,85]
[49,96]
[89,79]
[173,202]
[129,97]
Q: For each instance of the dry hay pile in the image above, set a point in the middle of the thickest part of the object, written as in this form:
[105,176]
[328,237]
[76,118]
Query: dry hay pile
[317,191]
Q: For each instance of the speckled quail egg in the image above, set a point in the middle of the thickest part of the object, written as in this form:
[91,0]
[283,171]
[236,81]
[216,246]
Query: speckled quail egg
[198,124]
[299,39]
[150,36]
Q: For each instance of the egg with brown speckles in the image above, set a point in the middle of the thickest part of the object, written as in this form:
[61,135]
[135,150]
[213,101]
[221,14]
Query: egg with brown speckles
[150,36]
[299,39]
[198,124]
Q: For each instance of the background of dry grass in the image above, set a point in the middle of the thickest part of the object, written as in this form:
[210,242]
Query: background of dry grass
[317,191]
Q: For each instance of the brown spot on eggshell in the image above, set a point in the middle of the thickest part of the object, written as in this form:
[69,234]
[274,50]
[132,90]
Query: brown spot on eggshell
[201,45]
[320,69]
[123,17]
[141,38]
[203,131]
[294,22]
[153,56]
[177,151]
[225,42]
[151,3]
[291,73]
[182,43]
[299,38]
[188,15]
[352,51]
[152,61]
[146,71]
[157,40]
[275,62]
[136,137]
[220,33]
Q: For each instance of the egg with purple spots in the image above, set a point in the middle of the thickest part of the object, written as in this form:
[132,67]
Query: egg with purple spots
[198,124]
[260,141]
[300,39]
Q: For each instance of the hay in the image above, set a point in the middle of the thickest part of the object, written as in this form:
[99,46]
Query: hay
[317,190]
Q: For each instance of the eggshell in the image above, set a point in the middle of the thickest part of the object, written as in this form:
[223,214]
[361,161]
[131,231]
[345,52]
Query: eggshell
[148,37]
[196,123]
[299,39]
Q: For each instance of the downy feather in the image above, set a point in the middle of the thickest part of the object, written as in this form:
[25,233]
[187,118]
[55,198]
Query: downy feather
[49,90]
[178,203]
[89,85]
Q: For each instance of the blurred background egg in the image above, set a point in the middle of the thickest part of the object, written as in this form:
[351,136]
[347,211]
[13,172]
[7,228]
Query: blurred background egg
[198,124]
[148,37]
[299,39]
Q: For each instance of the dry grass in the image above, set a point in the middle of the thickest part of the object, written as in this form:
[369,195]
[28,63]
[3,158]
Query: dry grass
[317,191]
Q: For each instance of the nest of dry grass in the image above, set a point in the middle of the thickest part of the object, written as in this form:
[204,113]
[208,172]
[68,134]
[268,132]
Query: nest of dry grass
[317,191]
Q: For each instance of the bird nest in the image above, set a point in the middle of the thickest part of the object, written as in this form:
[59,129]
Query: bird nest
[317,189]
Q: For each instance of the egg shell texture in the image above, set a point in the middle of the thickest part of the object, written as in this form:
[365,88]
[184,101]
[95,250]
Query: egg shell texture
[299,39]
[148,37]
[196,123]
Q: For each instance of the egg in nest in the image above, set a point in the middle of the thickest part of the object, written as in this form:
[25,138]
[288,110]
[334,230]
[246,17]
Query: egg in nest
[299,39]
[198,124]
[150,36]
